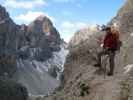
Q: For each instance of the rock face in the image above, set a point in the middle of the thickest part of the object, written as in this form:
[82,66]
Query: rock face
[83,35]
[8,60]
[7,43]
[81,78]
[127,7]
[31,54]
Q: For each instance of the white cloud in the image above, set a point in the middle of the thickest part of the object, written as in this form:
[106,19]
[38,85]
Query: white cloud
[61,0]
[30,16]
[65,1]
[73,25]
[67,29]
[29,4]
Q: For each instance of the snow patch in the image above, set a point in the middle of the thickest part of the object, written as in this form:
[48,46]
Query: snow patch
[38,74]
[128,68]
[131,34]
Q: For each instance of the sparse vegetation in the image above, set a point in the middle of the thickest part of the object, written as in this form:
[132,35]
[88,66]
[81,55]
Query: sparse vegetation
[126,87]
[84,89]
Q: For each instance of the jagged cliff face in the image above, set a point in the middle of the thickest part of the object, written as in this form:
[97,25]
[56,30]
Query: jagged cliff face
[7,44]
[31,54]
[80,76]
[127,7]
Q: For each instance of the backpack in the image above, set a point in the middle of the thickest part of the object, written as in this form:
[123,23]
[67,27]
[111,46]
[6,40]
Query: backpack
[119,42]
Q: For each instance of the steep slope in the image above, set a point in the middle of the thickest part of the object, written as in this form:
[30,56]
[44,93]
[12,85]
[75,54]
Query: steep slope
[41,77]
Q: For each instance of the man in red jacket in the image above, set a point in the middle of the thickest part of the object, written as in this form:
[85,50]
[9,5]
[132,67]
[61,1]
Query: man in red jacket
[110,45]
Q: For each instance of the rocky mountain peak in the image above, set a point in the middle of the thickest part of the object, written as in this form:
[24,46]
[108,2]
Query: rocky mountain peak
[3,13]
[42,26]
[42,17]
[7,43]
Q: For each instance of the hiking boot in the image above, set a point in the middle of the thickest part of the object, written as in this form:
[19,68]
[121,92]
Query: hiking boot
[97,65]
[110,74]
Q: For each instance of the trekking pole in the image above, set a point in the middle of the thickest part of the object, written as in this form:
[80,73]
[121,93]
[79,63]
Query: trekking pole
[105,65]
[104,68]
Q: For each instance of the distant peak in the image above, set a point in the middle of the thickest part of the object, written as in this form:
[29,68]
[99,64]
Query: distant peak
[41,17]
[91,28]
[3,12]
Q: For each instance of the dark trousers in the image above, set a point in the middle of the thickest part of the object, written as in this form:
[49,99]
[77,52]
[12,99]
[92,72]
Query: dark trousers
[111,55]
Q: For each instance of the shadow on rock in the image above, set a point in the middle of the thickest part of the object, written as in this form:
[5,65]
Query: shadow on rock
[10,90]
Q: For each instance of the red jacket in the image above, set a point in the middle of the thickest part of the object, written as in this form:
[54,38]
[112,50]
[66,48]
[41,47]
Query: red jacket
[111,41]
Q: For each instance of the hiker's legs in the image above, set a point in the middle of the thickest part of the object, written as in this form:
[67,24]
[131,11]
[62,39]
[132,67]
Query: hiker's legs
[112,63]
[99,57]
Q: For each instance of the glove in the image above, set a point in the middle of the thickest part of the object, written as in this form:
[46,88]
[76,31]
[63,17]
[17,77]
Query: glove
[102,45]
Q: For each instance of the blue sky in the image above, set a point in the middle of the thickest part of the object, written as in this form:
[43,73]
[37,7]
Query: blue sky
[68,16]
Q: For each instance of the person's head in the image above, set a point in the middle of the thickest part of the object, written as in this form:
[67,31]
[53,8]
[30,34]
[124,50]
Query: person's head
[115,28]
[108,29]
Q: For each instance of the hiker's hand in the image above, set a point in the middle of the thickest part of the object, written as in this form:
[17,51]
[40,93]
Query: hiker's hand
[102,45]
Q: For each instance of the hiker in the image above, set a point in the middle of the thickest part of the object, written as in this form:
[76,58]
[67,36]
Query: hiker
[111,44]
